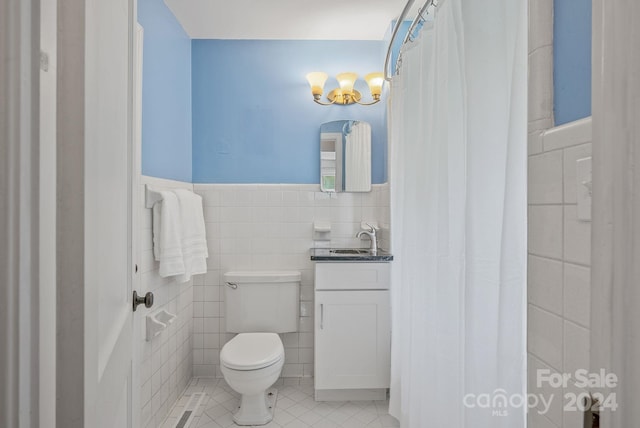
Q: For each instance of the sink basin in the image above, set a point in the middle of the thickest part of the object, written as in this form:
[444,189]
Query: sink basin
[349,255]
[349,251]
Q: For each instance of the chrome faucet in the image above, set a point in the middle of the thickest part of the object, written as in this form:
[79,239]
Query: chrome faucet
[372,236]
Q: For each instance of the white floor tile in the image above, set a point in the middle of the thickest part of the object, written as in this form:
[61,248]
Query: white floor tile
[295,408]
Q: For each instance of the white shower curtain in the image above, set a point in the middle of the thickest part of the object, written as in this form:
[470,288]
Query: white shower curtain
[458,200]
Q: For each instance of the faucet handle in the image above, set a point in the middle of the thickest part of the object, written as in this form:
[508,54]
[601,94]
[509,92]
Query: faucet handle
[372,236]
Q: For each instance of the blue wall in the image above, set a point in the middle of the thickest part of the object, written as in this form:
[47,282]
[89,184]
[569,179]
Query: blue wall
[254,119]
[572,60]
[166,94]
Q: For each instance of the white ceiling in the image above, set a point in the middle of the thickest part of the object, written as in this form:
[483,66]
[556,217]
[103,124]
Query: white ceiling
[287,19]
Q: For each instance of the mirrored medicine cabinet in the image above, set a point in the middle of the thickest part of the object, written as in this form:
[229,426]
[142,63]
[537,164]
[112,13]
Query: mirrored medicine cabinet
[345,156]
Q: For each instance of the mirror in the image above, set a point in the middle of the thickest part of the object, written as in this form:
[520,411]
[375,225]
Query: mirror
[345,156]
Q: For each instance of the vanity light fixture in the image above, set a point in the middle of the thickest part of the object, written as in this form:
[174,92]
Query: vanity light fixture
[345,94]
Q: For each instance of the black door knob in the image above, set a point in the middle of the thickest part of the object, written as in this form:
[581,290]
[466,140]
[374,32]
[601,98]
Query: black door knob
[147,300]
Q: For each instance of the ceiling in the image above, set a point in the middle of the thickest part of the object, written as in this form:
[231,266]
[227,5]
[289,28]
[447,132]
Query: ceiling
[287,19]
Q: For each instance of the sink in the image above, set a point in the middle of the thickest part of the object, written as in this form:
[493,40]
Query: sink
[349,251]
[349,255]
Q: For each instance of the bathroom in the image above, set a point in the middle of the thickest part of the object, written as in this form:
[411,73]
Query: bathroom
[231,118]
[257,170]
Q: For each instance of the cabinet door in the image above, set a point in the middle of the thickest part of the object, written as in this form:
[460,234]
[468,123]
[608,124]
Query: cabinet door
[352,339]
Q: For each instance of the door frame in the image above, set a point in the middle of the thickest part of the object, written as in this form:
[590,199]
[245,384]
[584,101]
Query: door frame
[48,215]
[19,213]
[616,203]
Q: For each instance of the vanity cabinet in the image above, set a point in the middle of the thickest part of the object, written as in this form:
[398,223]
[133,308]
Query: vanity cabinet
[352,330]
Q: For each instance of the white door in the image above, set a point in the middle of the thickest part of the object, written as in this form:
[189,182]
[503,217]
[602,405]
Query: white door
[108,205]
[352,339]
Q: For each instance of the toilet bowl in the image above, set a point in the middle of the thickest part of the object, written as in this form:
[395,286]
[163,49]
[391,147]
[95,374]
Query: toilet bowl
[251,363]
[258,306]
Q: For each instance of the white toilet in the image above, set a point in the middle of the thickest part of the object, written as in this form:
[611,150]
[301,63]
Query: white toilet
[258,305]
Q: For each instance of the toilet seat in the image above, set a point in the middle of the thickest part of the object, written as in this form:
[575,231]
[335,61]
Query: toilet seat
[252,351]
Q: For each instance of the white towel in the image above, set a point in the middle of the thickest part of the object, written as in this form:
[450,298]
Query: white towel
[167,235]
[194,238]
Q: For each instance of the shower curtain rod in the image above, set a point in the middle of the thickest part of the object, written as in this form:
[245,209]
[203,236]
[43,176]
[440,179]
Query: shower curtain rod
[418,19]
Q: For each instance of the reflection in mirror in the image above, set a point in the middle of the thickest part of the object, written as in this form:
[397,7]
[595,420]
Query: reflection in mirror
[345,156]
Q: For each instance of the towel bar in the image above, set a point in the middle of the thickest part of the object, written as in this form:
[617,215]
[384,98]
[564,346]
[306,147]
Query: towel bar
[151,196]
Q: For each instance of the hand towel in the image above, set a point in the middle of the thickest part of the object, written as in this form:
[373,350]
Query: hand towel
[194,238]
[167,235]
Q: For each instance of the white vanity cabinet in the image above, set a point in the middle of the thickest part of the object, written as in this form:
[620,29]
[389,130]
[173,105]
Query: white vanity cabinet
[352,330]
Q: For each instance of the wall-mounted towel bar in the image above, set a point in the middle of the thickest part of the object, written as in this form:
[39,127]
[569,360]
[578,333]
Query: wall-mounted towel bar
[151,196]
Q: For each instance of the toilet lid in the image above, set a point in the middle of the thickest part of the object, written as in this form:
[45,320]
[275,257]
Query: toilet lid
[252,351]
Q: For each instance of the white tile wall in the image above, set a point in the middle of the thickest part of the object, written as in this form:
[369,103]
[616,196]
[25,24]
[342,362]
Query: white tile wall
[559,258]
[541,33]
[568,135]
[270,226]
[545,178]
[538,421]
[577,294]
[571,155]
[545,231]
[540,92]
[540,416]
[545,336]
[545,283]
[164,363]
[576,347]
[541,102]
[577,237]
[559,244]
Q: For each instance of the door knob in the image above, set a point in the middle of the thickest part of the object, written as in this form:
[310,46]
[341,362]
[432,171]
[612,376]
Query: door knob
[147,300]
[592,412]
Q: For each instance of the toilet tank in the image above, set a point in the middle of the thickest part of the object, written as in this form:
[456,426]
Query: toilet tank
[262,301]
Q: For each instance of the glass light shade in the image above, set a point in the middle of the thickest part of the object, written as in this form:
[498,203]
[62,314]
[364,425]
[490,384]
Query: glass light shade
[375,82]
[316,80]
[346,82]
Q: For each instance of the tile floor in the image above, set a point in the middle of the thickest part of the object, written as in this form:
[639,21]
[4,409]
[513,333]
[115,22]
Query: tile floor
[295,408]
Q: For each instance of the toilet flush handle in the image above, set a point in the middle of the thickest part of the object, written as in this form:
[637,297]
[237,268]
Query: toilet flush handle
[232,285]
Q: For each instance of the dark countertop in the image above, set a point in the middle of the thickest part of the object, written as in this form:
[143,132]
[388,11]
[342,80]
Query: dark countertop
[348,255]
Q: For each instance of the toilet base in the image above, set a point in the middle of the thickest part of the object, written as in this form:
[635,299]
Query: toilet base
[256,409]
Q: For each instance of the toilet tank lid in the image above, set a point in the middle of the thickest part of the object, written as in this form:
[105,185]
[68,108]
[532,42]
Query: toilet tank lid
[262,276]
